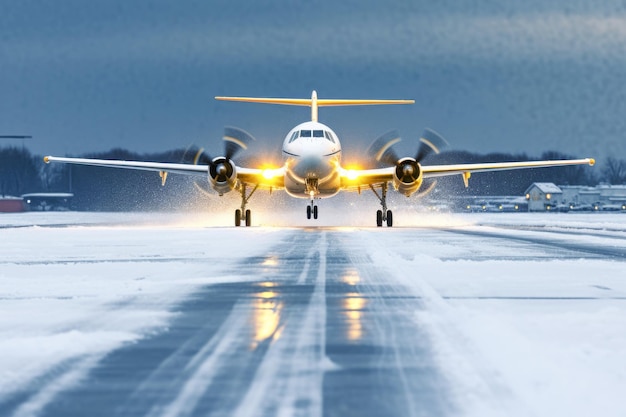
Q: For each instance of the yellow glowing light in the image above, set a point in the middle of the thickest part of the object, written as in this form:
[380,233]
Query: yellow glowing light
[351,278]
[267,294]
[527,196]
[353,305]
[270,173]
[271,261]
[351,172]
[355,328]
[548,196]
[266,318]
[267,284]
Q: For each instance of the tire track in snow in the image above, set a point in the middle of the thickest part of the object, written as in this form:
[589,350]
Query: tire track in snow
[604,250]
[289,380]
[385,364]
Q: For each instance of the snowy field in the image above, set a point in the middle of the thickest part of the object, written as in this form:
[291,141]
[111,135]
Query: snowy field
[173,315]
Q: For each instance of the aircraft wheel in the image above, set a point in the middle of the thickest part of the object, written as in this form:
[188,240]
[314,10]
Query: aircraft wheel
[248,218]
[379,218]
[315,212]
[308,212]
[389,218]
[237,218]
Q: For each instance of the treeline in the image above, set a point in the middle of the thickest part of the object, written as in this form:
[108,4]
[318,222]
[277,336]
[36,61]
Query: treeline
[516,182]
[123,190]
[100,189]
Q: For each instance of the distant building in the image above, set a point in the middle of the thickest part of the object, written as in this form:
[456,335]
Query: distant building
[579,195]
[48,201]
[547,196]
[11,205]
[543,196]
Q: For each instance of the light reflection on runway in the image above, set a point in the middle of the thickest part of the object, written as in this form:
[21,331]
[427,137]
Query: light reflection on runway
[266,313]
[354,304]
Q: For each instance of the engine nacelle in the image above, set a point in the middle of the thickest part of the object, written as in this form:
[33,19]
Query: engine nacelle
[407,178]
[222,175]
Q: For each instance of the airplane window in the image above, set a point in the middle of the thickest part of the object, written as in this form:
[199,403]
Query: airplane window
[329,136]
[318,133]
[294,136]
[305,133]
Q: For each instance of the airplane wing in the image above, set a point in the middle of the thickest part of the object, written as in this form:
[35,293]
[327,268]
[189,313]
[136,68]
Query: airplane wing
[444,170]
[356,179]
[264,178]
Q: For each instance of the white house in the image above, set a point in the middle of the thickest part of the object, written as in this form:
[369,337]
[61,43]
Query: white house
[543,196]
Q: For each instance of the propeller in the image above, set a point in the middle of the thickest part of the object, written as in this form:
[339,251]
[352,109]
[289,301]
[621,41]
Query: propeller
[235,140]
[407,169]
[382,148]
[221,167]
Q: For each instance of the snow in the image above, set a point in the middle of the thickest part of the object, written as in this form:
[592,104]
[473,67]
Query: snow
[517,328]
[67,293]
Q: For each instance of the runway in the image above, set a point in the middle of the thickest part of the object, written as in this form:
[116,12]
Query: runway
[488,314]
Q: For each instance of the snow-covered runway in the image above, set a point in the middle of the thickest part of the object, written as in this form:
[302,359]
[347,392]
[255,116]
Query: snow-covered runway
[470,315]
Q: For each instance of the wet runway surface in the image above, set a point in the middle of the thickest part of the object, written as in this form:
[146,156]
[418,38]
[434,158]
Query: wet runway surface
[325,322]
[314,334]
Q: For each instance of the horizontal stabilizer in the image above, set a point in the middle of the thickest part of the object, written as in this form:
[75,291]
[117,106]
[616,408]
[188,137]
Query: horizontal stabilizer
[308,102]
[314,102]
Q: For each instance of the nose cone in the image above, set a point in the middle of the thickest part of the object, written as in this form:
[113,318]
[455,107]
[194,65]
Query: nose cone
[312,166]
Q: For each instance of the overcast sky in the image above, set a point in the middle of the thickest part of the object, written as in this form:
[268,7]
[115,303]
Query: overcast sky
[491,76]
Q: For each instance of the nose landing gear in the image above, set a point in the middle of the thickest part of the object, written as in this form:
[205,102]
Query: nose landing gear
[311,210]
[312,187]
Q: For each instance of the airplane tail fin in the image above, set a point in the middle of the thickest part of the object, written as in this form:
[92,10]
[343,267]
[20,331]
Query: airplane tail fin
[314,102]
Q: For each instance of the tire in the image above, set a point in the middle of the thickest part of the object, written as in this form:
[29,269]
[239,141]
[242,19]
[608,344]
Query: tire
[308,212]
[389,218]
[248,218]
[379,218]
[237,218]
[315,212]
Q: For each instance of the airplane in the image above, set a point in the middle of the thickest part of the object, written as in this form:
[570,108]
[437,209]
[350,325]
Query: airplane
[312,167]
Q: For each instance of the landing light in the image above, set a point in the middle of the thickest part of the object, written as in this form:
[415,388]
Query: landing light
[269,173]
[350,173]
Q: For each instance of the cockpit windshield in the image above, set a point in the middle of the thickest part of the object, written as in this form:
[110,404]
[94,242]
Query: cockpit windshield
[312,134]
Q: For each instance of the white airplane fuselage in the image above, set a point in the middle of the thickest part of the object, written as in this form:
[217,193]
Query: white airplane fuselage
[312,155]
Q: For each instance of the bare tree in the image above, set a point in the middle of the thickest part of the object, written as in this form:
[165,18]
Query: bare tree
[614,171]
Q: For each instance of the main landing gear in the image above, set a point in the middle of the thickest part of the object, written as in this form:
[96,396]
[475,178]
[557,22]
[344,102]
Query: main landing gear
[384,215]
[243,213]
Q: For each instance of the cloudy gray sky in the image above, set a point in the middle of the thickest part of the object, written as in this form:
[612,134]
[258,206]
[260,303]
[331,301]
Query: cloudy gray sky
[86,76]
